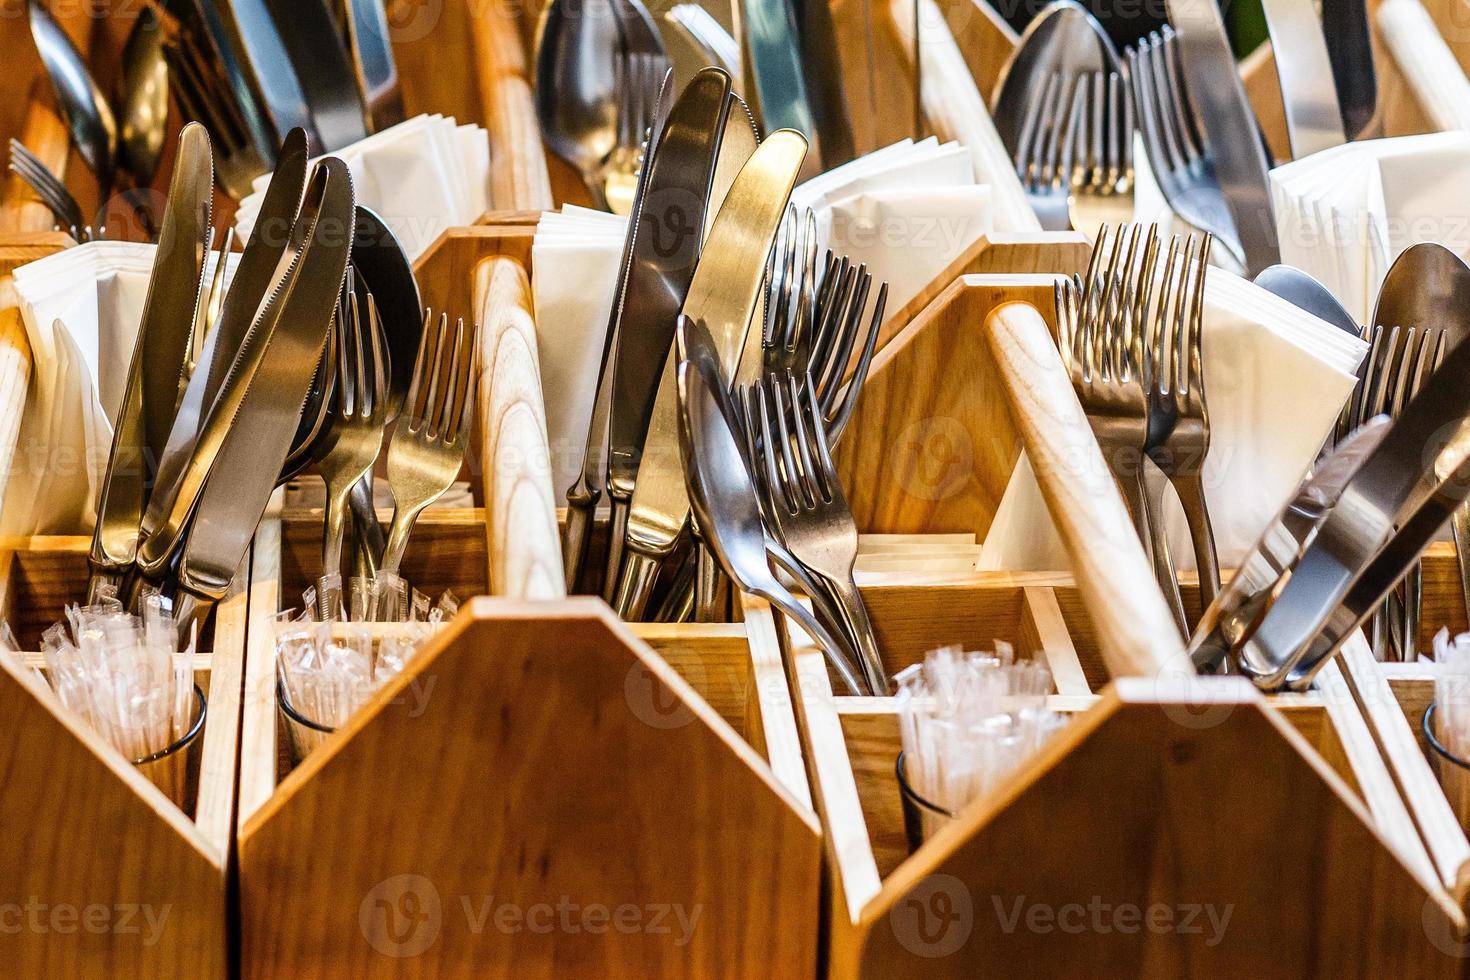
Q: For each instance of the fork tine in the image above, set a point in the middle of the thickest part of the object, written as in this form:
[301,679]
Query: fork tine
[413,407]
[798,424]
[446,376]
[780,494]
[779,411]
[1194,385]
[468,386]
[835,368]
[824,471]
[377,396]
[837,423]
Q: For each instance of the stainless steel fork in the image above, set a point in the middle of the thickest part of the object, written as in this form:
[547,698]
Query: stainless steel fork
[804,501]
[51,192]
[639,76]
[1102,179]
[1101,332]
[1043,156]
[1399,363]
[1179,422]
[1177,153]
[433,429]
[355,433]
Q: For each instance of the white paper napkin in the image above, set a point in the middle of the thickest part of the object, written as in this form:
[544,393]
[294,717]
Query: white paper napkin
[422,176]
[81,309]
[1275,378]
[574,274]
[1343,215]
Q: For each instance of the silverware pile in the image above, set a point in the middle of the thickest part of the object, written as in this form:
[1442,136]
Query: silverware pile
[322,66]
[234,387]
[1130,333]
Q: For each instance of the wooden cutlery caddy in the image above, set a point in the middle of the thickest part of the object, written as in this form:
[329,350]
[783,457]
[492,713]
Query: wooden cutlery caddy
[1164,791]
[534,753]
[101,874]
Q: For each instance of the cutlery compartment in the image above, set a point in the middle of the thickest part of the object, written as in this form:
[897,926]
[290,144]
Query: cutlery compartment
[1163,790]
[111,877]
[532,753]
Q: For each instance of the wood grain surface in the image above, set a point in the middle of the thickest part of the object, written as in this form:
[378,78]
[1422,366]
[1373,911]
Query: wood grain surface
[520,507]
[551,782]
[1107,558]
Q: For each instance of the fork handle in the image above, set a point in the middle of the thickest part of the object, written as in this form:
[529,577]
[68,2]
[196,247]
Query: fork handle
[1460,528]
[334,529]
[1191,490]
[398,532]
[617,537]
[1155,496]
[849,605]
[366,530]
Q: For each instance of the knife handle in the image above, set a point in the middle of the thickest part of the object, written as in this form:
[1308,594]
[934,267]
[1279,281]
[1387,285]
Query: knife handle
[634,585]
[617,536]
[580,508]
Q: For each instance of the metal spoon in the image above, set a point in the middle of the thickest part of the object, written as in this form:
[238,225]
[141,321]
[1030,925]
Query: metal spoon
[84,108]
[576,97]
[143,98]
[723,496]
[1306,293]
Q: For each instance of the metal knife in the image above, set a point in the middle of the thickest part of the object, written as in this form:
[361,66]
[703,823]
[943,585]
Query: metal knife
[255,438]
[1350,48]
[324,70]
[773,75]
[666,246]
[159,355]
[372,58]
[1228,126]
[1304,70]
[1237,609]
[253,57]
[1379,521]
[257,277]
[723,294]
[582,496]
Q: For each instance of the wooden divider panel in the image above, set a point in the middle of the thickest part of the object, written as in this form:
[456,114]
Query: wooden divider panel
[1138,810]
[526,763]
[931,445]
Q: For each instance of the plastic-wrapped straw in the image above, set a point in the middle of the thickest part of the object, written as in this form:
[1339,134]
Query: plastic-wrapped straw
[123,675]
[966,721]
[330,661]
[1451,721]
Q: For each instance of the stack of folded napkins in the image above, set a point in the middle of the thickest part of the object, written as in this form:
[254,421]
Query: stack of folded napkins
[1276,379]
[907,211]
[1344,215]
[422,176]
[574,274]
[81,309]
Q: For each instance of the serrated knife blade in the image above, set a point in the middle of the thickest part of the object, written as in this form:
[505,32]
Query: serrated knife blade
[159,353]
[258,437]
